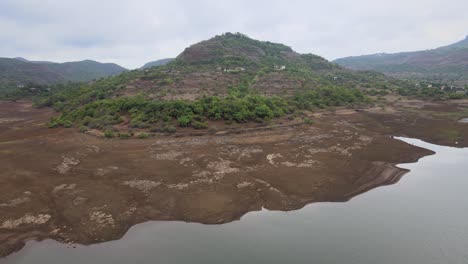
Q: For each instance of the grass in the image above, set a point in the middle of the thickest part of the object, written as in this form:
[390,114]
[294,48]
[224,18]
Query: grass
[449,133]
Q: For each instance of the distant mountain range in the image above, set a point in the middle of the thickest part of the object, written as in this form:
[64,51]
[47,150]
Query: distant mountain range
[236,52]
[17,71]
[157,63]
[448,63]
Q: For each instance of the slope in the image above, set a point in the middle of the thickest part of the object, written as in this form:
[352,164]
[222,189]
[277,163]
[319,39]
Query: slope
[448,63]
[19,71]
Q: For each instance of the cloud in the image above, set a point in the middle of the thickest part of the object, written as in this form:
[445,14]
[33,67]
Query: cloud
[132,33]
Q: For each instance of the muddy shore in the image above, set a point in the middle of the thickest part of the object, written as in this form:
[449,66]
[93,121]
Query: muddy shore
[78,188]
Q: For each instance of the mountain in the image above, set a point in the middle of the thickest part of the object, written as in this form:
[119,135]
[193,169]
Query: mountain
[448,63]
[229,77]
[239,50]
[157,63]
[233,62]
[214,66]
[463,44]
[16,71]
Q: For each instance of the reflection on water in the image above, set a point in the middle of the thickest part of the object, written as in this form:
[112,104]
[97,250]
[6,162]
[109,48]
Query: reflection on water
[422,219]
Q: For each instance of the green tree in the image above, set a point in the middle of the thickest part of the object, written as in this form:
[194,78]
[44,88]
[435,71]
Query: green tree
[263,112]
[184,121]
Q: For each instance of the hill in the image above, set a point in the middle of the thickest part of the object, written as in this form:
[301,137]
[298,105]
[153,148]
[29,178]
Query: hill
[448,63]
[19,71]
[213,66]
[230,77]
[157,63]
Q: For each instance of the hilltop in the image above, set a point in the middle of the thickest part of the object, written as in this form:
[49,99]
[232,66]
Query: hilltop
[448,63]
[19,71]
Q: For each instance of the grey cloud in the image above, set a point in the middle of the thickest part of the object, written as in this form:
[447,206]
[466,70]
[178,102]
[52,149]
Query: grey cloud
[133,32]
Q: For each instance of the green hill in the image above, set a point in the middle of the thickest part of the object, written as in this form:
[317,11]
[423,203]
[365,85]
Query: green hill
[19,71]
[229,77]
[448,63]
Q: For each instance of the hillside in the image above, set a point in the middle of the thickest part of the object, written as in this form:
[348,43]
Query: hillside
[214,66]
[230,77]
[157,63]
[19,71]
[448,63]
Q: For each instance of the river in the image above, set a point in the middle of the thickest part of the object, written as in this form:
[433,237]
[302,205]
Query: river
[423,219]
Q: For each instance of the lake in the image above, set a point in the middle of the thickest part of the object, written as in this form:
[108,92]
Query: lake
[421,219]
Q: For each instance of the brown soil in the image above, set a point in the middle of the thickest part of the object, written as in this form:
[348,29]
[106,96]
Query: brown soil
[193,85]
[78,188]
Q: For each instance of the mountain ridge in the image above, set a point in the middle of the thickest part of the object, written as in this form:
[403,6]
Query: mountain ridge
[19,71]
[156,63]
[446,63]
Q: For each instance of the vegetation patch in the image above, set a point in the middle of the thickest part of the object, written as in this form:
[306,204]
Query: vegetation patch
[240,108]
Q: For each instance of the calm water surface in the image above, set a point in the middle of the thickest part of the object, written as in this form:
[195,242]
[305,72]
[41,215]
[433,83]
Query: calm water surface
[423,219]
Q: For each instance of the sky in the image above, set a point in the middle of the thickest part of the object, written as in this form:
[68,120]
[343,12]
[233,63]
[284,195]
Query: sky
[133,32]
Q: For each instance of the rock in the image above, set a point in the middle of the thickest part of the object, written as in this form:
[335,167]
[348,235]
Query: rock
[79,200]
[26,220]
[142,185]
[67,164]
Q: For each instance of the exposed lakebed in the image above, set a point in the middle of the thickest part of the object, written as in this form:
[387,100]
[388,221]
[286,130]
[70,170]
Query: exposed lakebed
[421,219]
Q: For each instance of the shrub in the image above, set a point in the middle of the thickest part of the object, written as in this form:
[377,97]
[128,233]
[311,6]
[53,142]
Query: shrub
[263,112]
[139,124]
[83,129]
[455,96]
[155,129]
[143,135]
[52,124]
[308,121]
[168,129]
[184,121]
[67,124]
[109,134]
[124,135]
[166,118]
[199,125]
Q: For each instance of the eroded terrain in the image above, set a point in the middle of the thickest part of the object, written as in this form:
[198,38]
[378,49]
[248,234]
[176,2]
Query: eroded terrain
[78,188]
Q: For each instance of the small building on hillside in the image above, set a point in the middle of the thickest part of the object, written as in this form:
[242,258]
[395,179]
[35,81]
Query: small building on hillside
[236,69]
[280,67]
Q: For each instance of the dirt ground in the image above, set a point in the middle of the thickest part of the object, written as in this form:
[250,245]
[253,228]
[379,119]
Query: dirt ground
[78,188]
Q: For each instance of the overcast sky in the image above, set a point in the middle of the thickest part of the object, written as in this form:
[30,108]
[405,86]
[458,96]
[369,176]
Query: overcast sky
[133,32]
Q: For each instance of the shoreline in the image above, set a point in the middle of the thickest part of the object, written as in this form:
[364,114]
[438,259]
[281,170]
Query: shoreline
[384,180]
[281,169]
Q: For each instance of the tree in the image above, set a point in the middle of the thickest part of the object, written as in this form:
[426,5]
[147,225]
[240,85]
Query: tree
[184,121]
[263,112]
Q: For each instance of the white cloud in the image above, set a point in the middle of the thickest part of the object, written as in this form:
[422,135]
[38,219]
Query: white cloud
[134,32]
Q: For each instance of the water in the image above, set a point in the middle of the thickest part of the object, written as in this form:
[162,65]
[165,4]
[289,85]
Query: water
[422,219]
